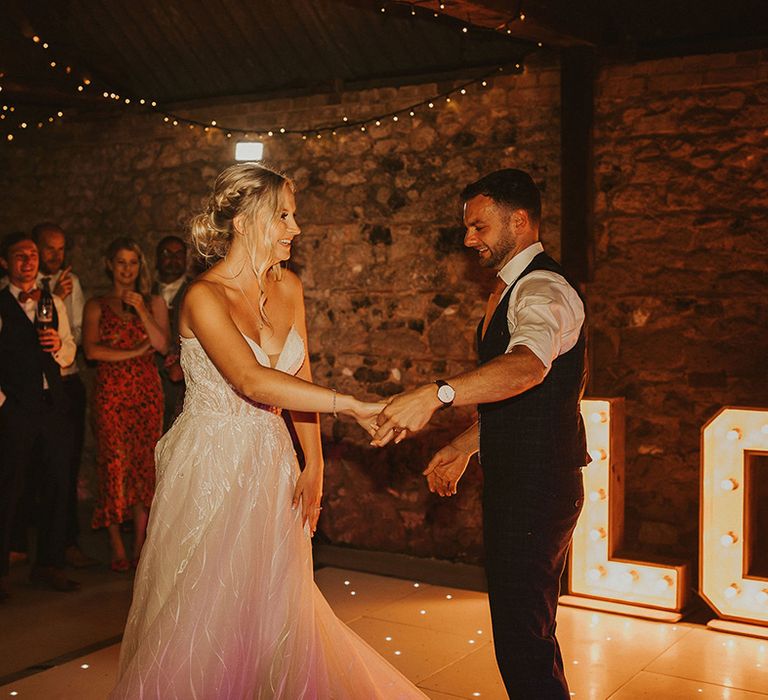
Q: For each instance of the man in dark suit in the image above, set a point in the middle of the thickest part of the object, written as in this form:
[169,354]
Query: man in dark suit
[35,433]
[530,436]
[172,283]
[65,284]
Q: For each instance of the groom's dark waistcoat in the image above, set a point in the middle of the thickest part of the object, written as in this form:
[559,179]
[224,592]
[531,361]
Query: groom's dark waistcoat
[540,429]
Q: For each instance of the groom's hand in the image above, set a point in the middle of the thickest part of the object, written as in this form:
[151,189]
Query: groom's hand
[406,412]
[445,469]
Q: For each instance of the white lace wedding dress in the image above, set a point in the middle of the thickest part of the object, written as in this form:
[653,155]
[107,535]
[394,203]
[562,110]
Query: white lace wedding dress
[224,604]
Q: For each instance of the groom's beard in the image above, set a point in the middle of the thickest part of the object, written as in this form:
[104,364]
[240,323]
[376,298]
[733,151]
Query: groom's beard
[498,254]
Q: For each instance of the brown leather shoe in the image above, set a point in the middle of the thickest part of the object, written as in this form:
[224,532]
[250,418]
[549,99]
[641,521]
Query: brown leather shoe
[54,578]
[78,559]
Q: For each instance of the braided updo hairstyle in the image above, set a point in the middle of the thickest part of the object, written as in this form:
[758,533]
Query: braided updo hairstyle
[250,191]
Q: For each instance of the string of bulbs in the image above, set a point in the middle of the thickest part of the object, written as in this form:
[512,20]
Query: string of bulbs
[84,84]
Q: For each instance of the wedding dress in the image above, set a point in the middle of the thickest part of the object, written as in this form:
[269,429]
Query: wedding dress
[224,603]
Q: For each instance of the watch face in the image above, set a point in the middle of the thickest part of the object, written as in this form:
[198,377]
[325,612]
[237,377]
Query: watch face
[445,393]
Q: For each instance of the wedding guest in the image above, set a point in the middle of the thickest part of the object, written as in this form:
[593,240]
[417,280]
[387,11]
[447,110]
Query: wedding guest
[171,284]
[35,435]
[122,330]
[52,243]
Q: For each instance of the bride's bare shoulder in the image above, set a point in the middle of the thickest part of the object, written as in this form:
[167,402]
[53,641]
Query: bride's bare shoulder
[205,290]
[291,284]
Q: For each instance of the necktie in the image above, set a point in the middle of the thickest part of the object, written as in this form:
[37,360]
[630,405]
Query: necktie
[493,301]
[33,294]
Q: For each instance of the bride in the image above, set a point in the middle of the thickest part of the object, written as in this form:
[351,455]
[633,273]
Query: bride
[224,603]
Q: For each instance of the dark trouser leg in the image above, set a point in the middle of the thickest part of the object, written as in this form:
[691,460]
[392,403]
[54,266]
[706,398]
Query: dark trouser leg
[17,450]
[22,519]
[75,390]
[55,437]
[173,399]
[528,523]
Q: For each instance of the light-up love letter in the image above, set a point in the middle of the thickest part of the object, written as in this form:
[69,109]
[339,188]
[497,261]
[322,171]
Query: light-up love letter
[596,571]
[733,538]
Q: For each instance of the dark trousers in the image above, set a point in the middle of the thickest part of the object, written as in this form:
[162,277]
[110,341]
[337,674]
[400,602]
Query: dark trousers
[528,521]
[173,400]
[75,391]
[35,444]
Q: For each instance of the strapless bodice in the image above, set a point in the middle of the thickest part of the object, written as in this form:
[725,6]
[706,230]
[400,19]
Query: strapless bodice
[207,392]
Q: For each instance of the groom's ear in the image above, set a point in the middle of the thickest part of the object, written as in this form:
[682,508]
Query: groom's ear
[520,219]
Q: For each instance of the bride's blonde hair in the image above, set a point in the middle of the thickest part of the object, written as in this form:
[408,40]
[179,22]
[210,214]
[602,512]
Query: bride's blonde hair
[250,191]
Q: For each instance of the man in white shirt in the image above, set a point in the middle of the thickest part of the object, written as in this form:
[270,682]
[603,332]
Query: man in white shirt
[529,435]
[35,432]
[65,284]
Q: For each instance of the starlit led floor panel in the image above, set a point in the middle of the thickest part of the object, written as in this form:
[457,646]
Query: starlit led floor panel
[440,638]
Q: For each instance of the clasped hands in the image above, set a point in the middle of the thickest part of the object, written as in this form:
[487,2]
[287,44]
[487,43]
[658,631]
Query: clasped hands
[408,413]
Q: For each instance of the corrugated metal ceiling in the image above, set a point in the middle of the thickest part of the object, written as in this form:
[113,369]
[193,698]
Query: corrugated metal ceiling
[181,51]
[178,50]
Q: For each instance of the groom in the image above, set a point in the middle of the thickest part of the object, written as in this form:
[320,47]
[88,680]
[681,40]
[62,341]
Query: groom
[529,434]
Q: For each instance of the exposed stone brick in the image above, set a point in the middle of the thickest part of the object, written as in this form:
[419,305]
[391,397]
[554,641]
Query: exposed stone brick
[678,304]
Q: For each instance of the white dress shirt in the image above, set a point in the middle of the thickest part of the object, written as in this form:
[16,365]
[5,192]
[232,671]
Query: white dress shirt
[545,313]
[170,290]
[74,303]
[65,355]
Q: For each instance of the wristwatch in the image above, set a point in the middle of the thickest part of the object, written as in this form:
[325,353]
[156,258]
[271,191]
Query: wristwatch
[445,392]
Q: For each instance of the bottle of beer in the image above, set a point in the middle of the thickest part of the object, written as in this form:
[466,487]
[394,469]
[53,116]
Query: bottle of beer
[44,312]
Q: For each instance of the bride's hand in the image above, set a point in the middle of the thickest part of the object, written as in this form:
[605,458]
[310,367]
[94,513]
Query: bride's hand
[309,493]
[365,412]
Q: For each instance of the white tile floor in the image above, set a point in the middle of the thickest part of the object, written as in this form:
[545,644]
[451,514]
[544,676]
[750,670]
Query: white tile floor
[440,638]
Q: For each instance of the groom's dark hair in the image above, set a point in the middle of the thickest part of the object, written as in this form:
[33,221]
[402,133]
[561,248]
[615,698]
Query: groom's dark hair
[511,188]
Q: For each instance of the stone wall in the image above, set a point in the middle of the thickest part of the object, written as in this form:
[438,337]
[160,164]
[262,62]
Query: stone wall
[392,295]
[677,305]
[679,301]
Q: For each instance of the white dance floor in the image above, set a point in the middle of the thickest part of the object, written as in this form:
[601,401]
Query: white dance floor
[440,638]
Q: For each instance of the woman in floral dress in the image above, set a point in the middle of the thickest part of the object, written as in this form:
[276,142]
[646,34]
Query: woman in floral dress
[122,330]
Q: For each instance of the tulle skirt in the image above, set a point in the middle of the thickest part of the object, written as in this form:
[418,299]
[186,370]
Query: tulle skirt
[224,602]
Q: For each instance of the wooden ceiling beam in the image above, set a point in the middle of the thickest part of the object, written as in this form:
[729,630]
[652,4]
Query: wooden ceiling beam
[504,16]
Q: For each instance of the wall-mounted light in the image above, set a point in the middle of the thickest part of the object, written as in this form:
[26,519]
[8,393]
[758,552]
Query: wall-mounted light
[249,150]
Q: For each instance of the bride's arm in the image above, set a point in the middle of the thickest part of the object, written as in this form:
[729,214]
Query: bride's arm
[307,424]
[204,312]
[309,487]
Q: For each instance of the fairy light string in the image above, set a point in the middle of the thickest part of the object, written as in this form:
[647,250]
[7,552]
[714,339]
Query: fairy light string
[84,84]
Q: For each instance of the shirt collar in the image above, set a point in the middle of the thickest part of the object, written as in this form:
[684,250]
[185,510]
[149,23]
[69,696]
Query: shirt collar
[171,285]
[514,268]
[13,289]
[53,278]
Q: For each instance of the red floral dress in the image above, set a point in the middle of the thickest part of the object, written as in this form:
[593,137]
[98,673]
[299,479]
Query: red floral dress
[127,420]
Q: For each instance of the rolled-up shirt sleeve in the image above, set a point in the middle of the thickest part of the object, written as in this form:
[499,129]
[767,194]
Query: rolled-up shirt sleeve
[546,316]
[65,355]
